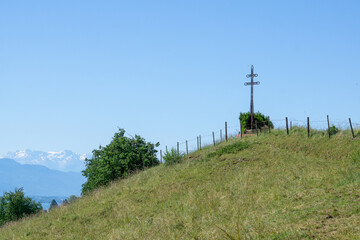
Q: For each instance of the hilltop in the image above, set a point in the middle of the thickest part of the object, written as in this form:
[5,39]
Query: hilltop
[268,187]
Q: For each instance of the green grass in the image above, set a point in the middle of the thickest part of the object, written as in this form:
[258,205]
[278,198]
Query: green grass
[268,187]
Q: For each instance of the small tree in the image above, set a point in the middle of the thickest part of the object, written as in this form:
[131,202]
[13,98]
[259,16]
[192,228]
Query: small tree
[72,199]
[118,159]
[261,119]
[14,205]
[53,204]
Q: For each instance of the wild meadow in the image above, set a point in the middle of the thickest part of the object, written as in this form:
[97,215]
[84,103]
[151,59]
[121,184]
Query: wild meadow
[274,186]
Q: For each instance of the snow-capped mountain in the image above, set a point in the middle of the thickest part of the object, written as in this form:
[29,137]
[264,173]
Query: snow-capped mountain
[64,161]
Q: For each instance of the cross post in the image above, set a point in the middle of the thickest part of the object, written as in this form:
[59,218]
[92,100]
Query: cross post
[252,83]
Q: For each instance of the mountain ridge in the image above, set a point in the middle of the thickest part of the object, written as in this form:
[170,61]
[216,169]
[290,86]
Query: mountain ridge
[66,160]
[38,180]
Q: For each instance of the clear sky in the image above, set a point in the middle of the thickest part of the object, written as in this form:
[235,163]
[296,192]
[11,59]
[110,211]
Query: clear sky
[71,72]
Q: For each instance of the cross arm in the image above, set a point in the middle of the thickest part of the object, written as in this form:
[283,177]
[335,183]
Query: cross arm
[251,83]
[251,75]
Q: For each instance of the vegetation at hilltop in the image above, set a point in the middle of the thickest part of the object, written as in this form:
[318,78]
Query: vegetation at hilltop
[262,120]
[118,159]
[275,186]
[14,205]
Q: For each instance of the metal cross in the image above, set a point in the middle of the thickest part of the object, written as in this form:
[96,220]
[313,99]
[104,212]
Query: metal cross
[252,83]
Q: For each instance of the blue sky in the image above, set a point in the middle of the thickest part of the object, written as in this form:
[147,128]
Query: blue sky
[71,72]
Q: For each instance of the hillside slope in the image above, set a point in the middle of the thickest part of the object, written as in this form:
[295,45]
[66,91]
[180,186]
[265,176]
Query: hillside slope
[267,187]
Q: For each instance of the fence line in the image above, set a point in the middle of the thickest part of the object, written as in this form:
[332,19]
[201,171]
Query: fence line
[223,134]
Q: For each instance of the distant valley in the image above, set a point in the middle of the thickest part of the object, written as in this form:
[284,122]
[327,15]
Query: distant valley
[38,180]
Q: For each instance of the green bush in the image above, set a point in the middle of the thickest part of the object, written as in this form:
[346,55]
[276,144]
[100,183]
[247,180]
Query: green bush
[14,205]
[72,199]
[262,120]
[172,157]
[333,130]
[118,159]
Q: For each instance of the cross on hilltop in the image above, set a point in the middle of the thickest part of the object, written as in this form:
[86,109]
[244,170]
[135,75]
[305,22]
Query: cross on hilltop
[252,83]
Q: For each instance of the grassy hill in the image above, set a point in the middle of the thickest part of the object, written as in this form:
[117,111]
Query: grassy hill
[268,187]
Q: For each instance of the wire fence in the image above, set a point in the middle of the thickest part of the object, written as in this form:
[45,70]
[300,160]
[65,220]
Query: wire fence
[316,124]
[223,134]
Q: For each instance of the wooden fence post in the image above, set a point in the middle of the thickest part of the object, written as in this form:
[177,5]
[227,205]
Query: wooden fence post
[308,126]
[200,141]
[269,123]
[327,116]
[287,126]
[197,143]
[352,130]
[160,156]
[187,149]
[256,126]
[166,148]
[240,130]
[178,152]
[226,136]
[213,137]
[290,125]
[220,135]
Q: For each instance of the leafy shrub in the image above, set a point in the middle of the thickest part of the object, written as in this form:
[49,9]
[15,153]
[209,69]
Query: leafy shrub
[262,120]
[333,130]
[172,157]
[118,159]
[72,199]
[14,205]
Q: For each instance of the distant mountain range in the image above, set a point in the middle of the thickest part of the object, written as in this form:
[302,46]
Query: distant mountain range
[38,180]
[64,161]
